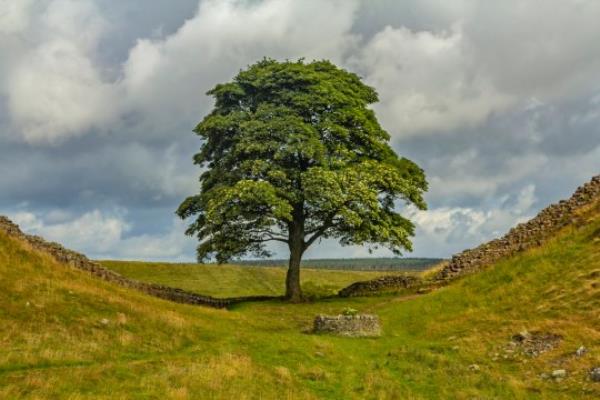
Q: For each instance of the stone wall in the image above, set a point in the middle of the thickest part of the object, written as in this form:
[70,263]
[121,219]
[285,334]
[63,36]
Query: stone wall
[522,237]
[526,235]
[79,261]
[389,282]
[348,325]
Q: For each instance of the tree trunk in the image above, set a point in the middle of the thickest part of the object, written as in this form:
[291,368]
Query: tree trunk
[293,292]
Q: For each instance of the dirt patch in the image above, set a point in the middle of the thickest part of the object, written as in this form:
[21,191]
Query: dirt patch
[535,343]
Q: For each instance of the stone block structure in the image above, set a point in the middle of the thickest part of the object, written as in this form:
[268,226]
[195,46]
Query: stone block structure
[361,325]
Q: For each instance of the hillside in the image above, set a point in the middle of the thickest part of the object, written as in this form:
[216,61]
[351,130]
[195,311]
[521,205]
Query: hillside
[66,334]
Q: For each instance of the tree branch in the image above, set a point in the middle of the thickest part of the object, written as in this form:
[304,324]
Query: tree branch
[269,238]
[318,233]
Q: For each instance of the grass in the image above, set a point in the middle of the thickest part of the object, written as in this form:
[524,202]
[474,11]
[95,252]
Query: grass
[234,280]
[55,343]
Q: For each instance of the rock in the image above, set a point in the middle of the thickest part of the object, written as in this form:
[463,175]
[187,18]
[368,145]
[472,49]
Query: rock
[595,374]
[389,282]
[559,373]
[533,343]
[360,325]
[319,354]
[581,351]
[521,336]
[474,367]
[544,376]
[104,321]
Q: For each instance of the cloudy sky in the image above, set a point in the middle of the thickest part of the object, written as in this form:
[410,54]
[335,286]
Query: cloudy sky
[499,102]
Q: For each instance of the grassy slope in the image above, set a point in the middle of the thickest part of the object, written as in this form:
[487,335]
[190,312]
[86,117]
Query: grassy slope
[56,346]
[233,280]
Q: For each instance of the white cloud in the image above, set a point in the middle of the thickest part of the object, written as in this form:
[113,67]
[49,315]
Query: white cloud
[429,81]
[103,235]
[92,231]
[56,93]
[14,15]
[54,89]
[169,77]
[57,89]
[171,245]
[426,81]
[447,230]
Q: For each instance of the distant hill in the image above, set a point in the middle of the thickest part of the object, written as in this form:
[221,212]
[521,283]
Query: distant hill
[355,264]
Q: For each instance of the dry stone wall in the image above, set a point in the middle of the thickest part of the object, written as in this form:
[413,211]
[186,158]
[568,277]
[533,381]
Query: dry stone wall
[362,325]
[522,237]
[379,284]
[526,235]
[79,261]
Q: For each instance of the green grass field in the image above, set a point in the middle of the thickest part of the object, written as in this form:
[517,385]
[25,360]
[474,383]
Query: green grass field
[64,334]
[233,280]
[396,264]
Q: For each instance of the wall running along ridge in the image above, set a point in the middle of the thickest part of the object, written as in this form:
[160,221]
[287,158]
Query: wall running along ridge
[524,236]
[79,261]
[380,284]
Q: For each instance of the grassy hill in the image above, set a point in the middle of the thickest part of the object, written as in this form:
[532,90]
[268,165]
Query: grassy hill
[235,280]
[397,264]
[64,334]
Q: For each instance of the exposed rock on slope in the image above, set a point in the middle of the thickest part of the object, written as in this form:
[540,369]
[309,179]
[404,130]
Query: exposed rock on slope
[526,235]
[79,261]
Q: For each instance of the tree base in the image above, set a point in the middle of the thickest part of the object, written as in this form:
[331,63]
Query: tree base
[295,298]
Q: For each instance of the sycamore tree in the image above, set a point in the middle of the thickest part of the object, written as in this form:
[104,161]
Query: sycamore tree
[292,153]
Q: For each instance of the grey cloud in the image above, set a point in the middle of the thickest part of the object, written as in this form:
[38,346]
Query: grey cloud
[545,49]
[416,15]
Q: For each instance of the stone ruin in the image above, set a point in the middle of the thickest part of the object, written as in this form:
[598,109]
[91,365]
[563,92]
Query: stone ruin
[81,262]
[360,325]
[524,236]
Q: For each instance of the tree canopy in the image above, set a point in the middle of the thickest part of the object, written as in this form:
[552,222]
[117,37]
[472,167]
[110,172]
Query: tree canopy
[293,153]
